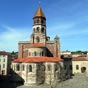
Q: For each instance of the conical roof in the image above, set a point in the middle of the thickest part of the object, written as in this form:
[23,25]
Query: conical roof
[39,13]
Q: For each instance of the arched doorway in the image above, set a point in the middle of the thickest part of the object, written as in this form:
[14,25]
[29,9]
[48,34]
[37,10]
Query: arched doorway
[83,69]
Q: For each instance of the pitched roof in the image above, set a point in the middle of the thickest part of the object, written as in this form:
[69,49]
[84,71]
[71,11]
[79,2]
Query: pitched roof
[39,13]
[37,59]
[37,45]
[79,59]
[4,53]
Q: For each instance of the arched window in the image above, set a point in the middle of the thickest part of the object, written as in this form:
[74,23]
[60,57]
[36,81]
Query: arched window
[23,67]
[42,53]
[42,30]
[30,68]
[29,54]
[56,67]
[83,69]
[37,29]
[77,67]
[34,53]
[18,67]
[37,39]
[37,20]
[42,21]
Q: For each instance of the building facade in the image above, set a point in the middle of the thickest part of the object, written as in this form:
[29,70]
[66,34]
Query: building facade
[5,61]
[38,59]
[39,35]
[73,65]
[80,65]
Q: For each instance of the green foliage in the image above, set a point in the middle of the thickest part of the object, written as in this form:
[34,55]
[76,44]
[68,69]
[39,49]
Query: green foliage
[14,53]
[78,52]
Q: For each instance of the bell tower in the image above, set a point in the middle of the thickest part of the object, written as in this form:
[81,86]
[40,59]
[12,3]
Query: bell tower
[39,27]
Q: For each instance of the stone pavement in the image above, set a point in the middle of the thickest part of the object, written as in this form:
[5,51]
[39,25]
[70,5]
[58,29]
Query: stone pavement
[78,81]
[35,86]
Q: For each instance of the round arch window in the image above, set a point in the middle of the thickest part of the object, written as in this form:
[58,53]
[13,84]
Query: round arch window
[83,69]
[37,29]
[42,30]
[37,20]
[18,67]
[37,39]
[42,21]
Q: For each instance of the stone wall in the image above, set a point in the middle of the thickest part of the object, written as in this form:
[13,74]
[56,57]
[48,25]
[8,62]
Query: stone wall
[80,65]
[38,73]
[23,49]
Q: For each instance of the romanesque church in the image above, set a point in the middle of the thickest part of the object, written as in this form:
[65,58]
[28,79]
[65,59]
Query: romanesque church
[38,58]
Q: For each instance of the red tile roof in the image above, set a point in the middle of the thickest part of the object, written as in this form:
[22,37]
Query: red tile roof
[79,59]
[4,53]
[37,45]
[37,59]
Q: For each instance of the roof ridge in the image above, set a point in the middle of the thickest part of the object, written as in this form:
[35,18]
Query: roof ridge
[38,59]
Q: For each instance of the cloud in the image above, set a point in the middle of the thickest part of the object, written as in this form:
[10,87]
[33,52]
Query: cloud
[75,33]
[10,37]
[69,29]
[59,29]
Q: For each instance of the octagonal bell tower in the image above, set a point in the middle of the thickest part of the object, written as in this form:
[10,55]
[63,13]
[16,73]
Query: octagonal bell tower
[39,27]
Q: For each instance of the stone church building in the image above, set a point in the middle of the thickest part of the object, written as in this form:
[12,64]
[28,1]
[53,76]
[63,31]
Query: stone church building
[39,36]
[39,58]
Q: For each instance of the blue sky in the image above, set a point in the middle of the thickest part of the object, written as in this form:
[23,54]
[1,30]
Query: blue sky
[66,18]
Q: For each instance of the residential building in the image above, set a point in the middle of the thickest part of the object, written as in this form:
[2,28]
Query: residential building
[5,60]
[80,65]
[73,65]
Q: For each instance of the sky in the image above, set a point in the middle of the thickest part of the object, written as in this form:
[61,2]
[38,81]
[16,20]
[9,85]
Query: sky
[66,18]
